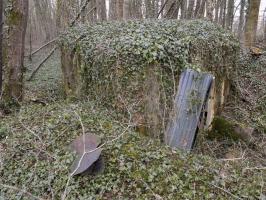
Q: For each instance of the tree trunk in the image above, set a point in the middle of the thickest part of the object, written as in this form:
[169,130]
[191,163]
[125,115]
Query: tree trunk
[217,8]
[222,13]
[1,46]
[113,9]
[241,19]
[230,14]
[136,11]
[264,26]
[101,10]
[197,8]
[171,8]
[210,9]
[17,23]
[251,22]
[202,9]
[44,16]
[120,5]
[126,9]
[190,9]
[183,9]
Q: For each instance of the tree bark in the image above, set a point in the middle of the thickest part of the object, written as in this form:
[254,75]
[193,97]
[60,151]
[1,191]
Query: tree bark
[230,14]
[120,5]
[1,46]
[210,9]
[217,8]
[183,9]
[101,10]
[171,8]
[126,9]
[190,9]
[241,19]
[43,14]
[251,22]
[113,9]
[17,23]
[264,26]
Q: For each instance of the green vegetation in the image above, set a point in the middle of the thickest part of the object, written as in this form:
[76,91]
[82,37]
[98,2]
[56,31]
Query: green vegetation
[135,167]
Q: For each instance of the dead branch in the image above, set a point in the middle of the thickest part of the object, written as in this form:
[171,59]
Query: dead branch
[42,62]
[43,46]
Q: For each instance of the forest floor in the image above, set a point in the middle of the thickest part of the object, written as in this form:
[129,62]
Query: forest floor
[35,158]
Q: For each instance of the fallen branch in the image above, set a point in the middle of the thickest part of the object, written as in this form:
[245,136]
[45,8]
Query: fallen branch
[43,46]
[42,62]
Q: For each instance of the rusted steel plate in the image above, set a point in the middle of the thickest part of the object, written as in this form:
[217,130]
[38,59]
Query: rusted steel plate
[193,91]
[87,153]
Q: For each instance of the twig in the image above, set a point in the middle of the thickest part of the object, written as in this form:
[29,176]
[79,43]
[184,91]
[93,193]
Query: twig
[227,192]
[20,190]
[91,151]
[43,61]
[255,168]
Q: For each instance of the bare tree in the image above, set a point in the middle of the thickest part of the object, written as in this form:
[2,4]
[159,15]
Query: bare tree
[17,23]
[251,22]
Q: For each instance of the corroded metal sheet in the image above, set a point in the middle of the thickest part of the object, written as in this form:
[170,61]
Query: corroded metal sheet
[193,92]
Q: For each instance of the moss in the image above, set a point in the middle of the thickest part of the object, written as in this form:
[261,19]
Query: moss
[222,129]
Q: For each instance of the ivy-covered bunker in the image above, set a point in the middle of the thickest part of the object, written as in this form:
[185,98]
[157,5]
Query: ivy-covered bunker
[134,66]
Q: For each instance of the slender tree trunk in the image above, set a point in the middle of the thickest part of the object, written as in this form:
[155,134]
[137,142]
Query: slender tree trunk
[113,9]
[17,23]
[126,9]
[251,22]
[241,19]
[101,10]
[172,8]
[1,46]
[217,8]
[190,9]
[183,9]
[197,8]
[264,26]
[120,5]
[230,14]
[202,9]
